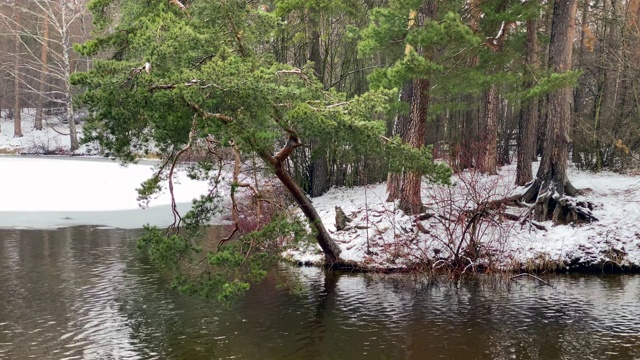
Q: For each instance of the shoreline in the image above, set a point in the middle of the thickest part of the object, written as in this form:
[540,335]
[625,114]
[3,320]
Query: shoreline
[396,240]
[380,237]
[398,243]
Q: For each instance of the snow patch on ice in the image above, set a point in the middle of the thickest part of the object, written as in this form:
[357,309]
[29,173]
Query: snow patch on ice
[58,192]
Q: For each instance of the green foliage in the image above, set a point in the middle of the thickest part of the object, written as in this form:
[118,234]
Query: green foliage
[456,58]
[168,252]
[404,158]
[229,269]
[210,78]
[148,188]
[552,82]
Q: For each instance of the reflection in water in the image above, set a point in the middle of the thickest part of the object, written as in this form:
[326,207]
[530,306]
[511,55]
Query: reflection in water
[84,293]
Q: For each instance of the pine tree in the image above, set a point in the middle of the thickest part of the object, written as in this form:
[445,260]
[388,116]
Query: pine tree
[183,73]
[552,186]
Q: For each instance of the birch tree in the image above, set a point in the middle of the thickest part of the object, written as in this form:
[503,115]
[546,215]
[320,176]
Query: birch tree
[45,69]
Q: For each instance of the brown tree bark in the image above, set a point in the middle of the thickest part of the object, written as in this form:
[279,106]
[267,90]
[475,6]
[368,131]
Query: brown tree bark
[328,245]
[43,74]
[529,113]
[410,200]
[470,117]
[552,183]
[401,129]
[490,158]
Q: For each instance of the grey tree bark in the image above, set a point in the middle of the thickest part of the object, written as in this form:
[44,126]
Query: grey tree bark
[43,74]
[319,167]
[17,118]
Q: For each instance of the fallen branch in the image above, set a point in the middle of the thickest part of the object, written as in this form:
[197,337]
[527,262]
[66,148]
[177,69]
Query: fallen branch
[537,225]
[515,277]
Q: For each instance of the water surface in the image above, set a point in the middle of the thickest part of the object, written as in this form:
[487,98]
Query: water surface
[86,293]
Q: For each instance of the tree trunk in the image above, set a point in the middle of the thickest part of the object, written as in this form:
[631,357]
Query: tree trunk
[319,169]
[401,129]
[468,156]
[552,184]
[543,103]
[410,200]
[580,92]
[328,245]
[17,118]
[43,74]
[528,114]
[66,57]
[490,158]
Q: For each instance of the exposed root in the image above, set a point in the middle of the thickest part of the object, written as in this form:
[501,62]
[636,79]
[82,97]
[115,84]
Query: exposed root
[561,207]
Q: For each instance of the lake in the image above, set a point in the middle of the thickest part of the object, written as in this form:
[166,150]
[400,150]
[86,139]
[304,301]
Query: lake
[87,293]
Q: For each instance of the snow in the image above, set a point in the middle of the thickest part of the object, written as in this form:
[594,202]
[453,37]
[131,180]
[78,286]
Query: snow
[52,139]
[59,192]
[398,240]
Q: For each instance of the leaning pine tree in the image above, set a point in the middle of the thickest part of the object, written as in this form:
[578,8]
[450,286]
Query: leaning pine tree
[194,72]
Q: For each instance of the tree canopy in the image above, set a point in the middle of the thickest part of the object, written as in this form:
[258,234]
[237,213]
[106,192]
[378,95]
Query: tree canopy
[179,75]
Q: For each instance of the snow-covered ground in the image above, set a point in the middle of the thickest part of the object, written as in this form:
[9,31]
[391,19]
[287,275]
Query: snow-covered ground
[397,240]
[53,192]
[52,139]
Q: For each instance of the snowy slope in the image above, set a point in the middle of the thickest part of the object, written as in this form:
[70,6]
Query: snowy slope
[396,240]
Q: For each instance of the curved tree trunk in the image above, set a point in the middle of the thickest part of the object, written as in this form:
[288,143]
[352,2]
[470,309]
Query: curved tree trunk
[328,245]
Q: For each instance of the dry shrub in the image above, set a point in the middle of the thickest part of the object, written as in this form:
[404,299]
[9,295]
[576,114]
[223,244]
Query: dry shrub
[255,210]
[466,228]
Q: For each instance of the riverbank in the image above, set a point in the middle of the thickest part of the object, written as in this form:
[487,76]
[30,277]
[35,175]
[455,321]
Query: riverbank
[381,236]
[59,192]
[53,139]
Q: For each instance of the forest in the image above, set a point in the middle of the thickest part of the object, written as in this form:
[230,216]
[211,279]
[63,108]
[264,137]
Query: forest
[328,94]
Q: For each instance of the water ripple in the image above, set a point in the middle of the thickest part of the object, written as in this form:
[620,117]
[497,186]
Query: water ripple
[87,294]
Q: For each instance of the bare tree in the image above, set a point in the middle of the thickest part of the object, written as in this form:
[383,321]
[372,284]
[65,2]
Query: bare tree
[53,27]
[17,119]
[43,75]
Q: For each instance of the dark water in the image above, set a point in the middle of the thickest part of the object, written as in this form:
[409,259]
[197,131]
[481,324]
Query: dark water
[83,293]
